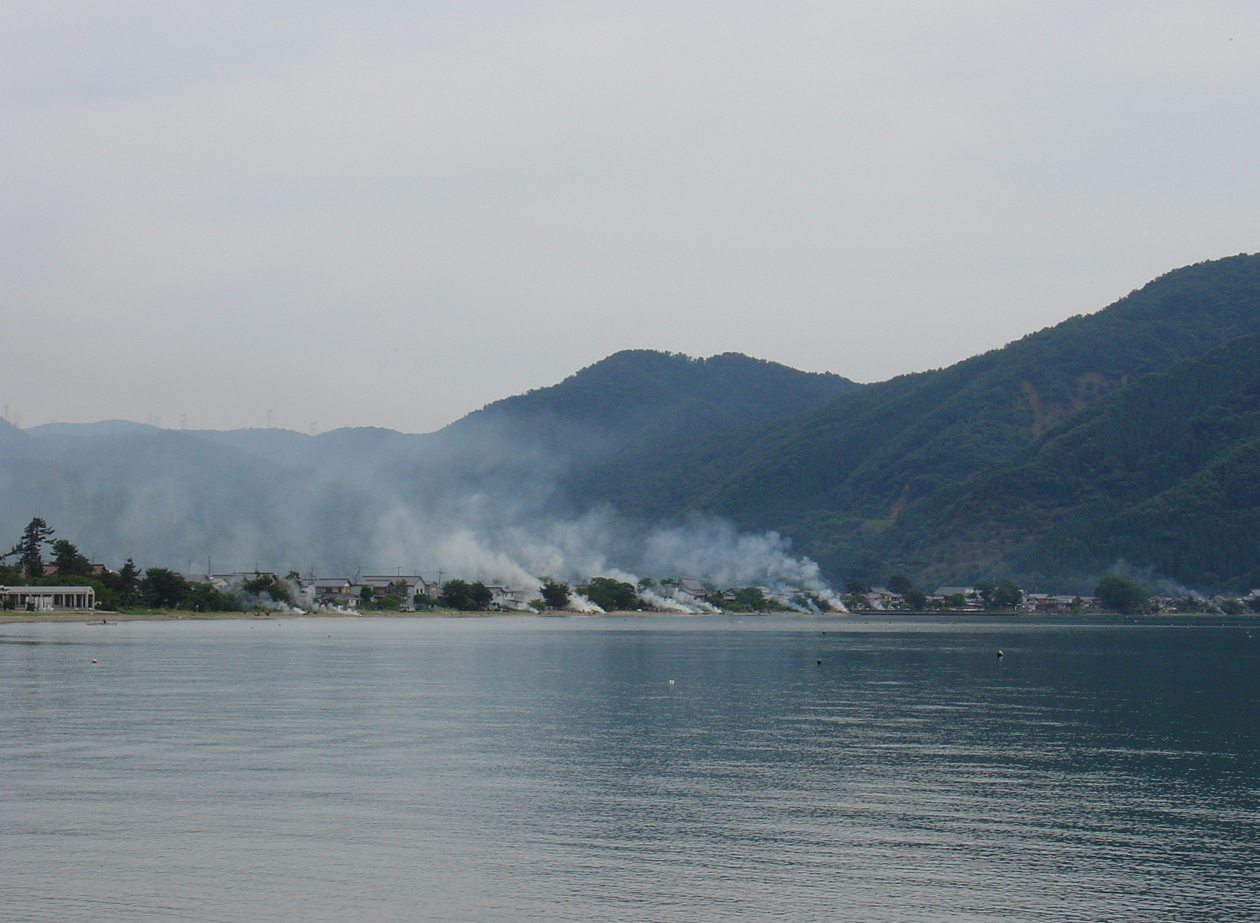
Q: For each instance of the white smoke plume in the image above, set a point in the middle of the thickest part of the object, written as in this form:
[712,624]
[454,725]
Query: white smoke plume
[712,549]
[598,543]
[579,603]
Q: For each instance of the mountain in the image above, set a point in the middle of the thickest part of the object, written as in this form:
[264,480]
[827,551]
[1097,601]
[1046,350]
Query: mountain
[641,399]
[841,480]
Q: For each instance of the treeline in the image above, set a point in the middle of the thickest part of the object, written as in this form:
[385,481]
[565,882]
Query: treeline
[609,594]
[614,595]
[117,591]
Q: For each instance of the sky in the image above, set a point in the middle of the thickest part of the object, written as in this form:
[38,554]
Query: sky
[384,213]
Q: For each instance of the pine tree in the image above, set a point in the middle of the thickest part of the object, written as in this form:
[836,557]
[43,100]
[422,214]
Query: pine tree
[70,563]
[29,549]
[128,583]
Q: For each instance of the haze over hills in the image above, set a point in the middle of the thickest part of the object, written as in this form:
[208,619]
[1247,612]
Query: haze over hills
[478,496]
[1128,434]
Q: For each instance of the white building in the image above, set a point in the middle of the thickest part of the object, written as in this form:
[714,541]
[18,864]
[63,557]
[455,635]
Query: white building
[47,598]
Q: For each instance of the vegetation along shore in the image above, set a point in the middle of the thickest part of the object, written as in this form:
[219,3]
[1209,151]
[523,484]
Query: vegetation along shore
[72,588]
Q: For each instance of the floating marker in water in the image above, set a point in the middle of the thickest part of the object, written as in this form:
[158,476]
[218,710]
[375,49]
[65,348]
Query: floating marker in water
[93,660]
[1000,654]
[671,682]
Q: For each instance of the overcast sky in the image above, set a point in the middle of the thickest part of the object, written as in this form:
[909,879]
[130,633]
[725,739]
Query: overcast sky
[390,213]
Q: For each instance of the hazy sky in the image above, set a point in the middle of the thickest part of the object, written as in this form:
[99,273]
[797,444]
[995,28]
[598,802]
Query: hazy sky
[391,213]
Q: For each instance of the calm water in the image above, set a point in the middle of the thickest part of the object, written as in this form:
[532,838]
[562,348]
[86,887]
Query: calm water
[547,769]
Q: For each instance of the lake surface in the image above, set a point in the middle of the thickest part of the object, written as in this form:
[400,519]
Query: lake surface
[608,769]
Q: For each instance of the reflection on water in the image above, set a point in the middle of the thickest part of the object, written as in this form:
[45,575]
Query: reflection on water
[548,769]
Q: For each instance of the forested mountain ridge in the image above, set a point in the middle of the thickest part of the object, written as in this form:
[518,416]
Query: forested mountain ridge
[649,397]
[839,479]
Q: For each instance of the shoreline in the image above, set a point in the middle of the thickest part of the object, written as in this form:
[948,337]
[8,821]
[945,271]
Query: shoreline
[104,618]
[115,618]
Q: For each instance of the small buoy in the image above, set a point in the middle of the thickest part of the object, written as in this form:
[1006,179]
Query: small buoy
[671,682]
[820,663]
[1000,654]
[93,660]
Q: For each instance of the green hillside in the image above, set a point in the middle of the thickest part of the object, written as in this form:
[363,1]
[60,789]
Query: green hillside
[1131,478]
[645,397]
[839,479]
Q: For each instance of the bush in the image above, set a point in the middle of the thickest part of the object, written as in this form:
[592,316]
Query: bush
[612,595]
[1121,595]
[268,585]
[165,589]
[465,596]
[555,594]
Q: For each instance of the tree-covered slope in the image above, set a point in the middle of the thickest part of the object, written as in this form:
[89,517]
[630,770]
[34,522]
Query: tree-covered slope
[1067,507]
[837,478]
[645,396]
[1201,532]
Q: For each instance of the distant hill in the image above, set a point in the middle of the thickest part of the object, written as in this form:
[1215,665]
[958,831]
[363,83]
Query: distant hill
[840,479]
[647,397]
[102,428]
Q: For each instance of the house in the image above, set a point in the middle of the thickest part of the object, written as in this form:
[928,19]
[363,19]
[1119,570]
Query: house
[1046,602]
[882,598]
[331,592]
[693,588]
[970,595]
[406,586]
[47,598]
[234,582]
[94,570]
[509,597]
